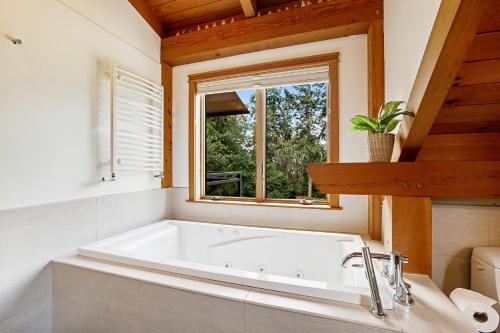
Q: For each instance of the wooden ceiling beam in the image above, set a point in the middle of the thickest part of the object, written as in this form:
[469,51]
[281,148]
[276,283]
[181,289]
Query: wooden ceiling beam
[460,179]
[319,21]
[452,36]
[148,15]
[249,7]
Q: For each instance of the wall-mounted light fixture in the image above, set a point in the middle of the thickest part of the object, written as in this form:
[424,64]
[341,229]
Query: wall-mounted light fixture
[15,41]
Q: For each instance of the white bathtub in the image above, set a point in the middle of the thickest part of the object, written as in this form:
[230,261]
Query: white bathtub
[298,262]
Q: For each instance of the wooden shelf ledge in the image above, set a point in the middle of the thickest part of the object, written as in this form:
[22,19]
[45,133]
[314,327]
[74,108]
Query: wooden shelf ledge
[458,179]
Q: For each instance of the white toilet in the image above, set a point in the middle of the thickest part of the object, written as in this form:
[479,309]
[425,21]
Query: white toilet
[485,272]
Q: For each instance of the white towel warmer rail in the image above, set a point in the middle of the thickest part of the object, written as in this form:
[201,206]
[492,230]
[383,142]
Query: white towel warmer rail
[136,124]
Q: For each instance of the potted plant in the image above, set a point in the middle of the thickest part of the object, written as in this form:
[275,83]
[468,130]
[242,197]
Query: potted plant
[380,136]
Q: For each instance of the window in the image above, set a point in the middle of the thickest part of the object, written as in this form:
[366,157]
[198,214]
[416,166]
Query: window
[230,165]
[296,124]
[254,129]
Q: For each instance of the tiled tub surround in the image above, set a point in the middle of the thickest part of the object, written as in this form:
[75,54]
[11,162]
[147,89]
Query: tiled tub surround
[350,219]
[97,296]
[31,237]
[275,259]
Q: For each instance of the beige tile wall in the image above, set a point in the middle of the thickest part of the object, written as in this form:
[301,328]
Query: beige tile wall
[31,237]
[260,319]
[174,310]
[350,219]
[456,230]
[91,301]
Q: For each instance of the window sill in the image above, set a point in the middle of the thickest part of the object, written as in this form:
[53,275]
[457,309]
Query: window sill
[265,204]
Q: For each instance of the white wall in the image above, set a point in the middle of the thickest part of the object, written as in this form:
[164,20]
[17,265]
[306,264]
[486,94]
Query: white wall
[54,142]
[54,96]
[353,100]
[407,26]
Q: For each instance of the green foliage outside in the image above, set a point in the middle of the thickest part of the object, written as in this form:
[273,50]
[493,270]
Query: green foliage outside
[296,130]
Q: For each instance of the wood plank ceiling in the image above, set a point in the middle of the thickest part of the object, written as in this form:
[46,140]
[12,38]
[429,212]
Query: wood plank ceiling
[184,14]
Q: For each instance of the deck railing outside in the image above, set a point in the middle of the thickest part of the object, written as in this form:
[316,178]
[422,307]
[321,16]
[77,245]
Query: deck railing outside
[224,177]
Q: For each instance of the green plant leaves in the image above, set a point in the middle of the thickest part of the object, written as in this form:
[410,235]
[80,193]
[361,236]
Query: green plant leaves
[386,121]
[392,125]
[361,128]
[364,123]
[389,108]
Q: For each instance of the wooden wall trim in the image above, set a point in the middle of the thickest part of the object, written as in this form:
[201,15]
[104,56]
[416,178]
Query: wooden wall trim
[192,141]
[451,37]
[266,67]
[412,232]
[376,97]
[260,149]
[376,77]
[333,149]
[375,217]
[167,82]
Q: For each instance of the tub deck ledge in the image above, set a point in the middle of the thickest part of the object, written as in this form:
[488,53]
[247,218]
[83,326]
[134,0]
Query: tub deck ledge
[432,311]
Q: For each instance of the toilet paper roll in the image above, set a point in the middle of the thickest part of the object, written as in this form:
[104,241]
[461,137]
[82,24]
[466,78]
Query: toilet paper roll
[477,309]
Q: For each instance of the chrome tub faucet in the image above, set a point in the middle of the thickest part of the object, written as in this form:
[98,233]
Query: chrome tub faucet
[393,270]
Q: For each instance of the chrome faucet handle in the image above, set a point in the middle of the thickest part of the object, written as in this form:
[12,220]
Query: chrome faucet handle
[397,259]
[403,295]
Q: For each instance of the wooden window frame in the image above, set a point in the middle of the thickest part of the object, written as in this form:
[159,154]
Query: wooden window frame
[196,130]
